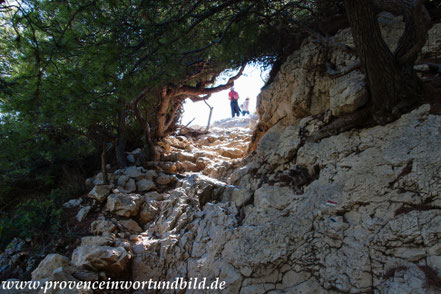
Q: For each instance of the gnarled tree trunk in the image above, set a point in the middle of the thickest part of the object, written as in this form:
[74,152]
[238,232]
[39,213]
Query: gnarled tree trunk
[392,82]
[120,145]
[104,164]
[154,155]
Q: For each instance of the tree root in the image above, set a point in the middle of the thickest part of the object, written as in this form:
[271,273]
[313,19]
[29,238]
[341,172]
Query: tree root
[360,118]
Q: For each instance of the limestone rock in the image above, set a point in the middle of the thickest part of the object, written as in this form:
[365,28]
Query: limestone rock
[231,152]
[50,263]
[131,226]
[154,196]
[109,259]
[96,241]
[354,213]
[151,175]
[186,166]
[73,203]
[164,179]
[203,162]
[133,172]
[432,48]
[101,226]
[130,186]
[122,180]
[272,196]
[348,94]
[145,185]
[100,192]
[82,213]
[240,197]
[147,213]
[126,205]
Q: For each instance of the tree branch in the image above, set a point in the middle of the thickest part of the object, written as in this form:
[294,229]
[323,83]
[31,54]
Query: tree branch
[196,91]
[220,39]
[417,20]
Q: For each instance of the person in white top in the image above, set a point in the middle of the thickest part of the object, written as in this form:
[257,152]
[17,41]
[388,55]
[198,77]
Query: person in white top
[245,106]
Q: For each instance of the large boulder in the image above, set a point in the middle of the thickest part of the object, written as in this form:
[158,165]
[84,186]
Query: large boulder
[50,263]
[145,185]
[126,205]
[148,212]
[101,226]
[134,172]
[100,192]
[131,226]
[112,260]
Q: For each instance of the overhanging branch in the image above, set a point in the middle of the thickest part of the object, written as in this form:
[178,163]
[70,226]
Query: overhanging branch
[196,91]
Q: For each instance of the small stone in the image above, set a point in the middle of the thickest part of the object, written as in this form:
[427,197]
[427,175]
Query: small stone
[82,213]
[133,172]
[131,158]
[73,203]
[147,213]
[100,192]
[96,241]
[130,186]
[131,226]
[145,185]
[102,226]
[151,174]
[122,180]
[126,205]
[164,179]
[154,196]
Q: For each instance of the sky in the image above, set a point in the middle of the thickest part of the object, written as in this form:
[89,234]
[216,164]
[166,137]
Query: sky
[248,85]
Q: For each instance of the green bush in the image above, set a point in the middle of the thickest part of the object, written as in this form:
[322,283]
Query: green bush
[34,218]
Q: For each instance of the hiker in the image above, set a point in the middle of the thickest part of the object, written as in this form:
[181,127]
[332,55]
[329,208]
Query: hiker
[234,97]
[245,106]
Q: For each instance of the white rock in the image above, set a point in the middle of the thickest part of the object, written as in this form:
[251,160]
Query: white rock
[133,172]
[348,94]
[130,186]
[82,213]
[50,263]
[131,226]
[96,241]
[122,180]
[164,179]
[109,259]
[147,213]
[144,185]
[126,205]
[101,226]
[73,203]
[100,192]
[273,196]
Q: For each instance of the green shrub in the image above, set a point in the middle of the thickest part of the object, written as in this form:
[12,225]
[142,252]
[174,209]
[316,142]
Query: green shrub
[34,218]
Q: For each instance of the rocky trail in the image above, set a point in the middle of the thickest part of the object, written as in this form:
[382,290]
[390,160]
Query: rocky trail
[356,212]
[142,212]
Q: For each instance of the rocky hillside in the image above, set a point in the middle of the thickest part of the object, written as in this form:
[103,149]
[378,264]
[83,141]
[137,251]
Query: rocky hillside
[357,212]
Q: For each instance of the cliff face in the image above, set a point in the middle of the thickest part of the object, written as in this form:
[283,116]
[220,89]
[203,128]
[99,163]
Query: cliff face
[358,212]
[354,213]
[324,77]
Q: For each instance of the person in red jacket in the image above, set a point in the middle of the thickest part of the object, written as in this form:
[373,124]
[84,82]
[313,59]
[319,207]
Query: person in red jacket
[234,97]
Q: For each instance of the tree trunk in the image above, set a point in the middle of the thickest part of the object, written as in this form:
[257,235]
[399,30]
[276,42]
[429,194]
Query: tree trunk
[154,155]
[393,86]
[161,114]
[120,145]
[209,116]
[103,165]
